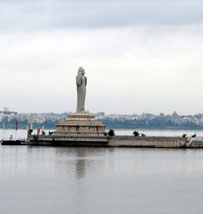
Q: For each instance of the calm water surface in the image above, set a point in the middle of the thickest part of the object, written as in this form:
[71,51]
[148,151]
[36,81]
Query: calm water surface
[53,180]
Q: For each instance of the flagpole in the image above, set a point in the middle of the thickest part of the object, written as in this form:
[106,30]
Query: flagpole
[27,132]
[16,130]
[3,132]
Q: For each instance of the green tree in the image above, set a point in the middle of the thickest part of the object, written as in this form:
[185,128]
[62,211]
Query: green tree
[30,131]
[136,133]
[111,132]
[194,135]
[50,133]
[43,132]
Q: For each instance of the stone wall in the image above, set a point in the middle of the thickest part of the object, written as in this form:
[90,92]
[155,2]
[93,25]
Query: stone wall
[116,141]
[50,140]
[159,142]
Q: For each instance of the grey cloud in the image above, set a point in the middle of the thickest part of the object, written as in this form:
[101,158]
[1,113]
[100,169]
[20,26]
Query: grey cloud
[38,16]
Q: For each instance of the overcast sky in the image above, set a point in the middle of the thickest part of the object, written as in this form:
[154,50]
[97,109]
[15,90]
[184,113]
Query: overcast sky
[139,56]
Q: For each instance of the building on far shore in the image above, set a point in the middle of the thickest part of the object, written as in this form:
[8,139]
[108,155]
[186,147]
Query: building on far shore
[6,112]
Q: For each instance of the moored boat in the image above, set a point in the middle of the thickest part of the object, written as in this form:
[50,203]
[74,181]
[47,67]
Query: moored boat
[14,142]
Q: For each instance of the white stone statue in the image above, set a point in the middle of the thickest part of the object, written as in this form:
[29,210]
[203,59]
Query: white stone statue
[81,82]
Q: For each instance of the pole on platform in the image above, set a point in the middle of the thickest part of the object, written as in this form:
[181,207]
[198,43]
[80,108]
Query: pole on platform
[3,132]
[16,130]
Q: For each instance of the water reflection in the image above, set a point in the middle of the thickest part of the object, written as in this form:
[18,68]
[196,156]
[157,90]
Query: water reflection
[79,161]
[100,180]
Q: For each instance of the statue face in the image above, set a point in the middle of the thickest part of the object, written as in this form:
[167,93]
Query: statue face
[81,71]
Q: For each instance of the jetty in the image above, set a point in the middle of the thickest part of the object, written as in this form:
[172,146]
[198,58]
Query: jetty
[114,141]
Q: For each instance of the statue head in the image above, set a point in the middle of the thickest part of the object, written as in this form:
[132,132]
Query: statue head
[81,71]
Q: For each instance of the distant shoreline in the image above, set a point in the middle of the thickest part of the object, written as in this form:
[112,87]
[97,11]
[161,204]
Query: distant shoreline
[136,128]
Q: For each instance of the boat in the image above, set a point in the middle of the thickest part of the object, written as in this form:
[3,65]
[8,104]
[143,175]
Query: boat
[12,141]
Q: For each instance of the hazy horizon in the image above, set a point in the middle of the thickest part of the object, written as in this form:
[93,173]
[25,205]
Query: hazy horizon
[71,111]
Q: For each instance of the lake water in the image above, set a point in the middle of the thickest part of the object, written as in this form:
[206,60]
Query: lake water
[63,180]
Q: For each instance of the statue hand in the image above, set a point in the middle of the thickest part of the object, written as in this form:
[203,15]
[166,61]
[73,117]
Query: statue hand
[79,81]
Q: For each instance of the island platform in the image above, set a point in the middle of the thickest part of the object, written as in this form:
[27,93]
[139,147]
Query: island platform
[115,141]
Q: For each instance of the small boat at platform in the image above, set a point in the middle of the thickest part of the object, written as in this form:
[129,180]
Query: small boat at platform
[12,141]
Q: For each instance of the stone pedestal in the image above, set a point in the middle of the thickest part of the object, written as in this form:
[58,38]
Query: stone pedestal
[80,124]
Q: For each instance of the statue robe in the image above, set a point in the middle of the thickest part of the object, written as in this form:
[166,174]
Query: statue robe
[81,82]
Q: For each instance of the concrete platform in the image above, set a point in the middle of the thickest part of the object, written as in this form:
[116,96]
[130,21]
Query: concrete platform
[42,140]
[116,141]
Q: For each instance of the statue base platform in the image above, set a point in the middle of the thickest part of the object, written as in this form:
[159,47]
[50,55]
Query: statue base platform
[80,124]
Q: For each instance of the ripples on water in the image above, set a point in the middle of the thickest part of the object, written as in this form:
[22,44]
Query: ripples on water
[40,180]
